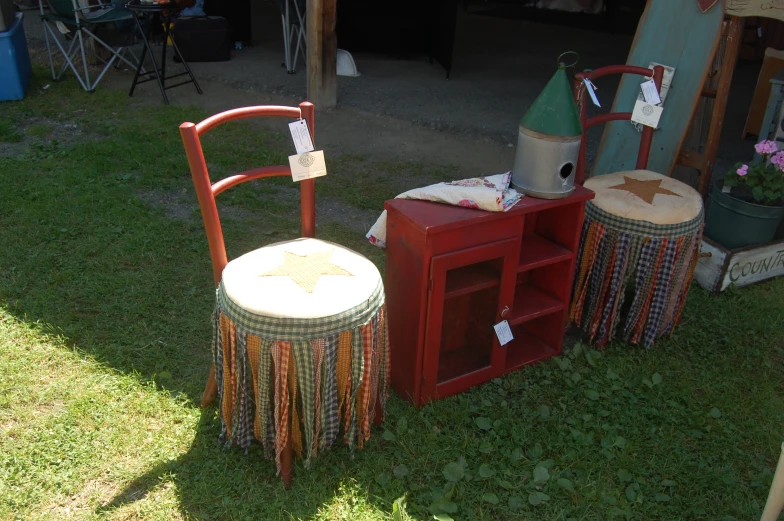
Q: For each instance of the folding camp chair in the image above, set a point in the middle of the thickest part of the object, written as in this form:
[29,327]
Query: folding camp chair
[293,31]
[82,22]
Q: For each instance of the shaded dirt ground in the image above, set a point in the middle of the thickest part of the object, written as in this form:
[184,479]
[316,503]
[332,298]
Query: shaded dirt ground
[404,110]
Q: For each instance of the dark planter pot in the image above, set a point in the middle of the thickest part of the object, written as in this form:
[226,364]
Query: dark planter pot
[734,223]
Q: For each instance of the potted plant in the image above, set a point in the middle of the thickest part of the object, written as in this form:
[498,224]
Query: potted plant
[747,206]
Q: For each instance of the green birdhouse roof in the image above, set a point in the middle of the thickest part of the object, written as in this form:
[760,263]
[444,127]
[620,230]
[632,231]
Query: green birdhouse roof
[554,111]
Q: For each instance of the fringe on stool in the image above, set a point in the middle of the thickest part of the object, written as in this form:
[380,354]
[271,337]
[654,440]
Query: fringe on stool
[661,270]
[262,384]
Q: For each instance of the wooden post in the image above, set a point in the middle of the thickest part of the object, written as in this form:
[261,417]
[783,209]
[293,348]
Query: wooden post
[322,53]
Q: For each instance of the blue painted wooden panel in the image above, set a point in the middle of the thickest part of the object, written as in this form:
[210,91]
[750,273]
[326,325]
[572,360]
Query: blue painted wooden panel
[674,33]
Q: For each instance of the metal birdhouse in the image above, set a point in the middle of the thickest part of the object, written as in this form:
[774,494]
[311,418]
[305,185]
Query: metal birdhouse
[548,142]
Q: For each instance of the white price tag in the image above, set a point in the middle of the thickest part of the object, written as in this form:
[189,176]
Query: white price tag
[591,91]
[307,165]
[759,32]
[650,93]
[646,114]
[301,135]
[503,332]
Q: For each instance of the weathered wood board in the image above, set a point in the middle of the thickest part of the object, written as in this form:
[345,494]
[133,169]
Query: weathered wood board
[764,8]
[723,268]
[710,265]
[674,33]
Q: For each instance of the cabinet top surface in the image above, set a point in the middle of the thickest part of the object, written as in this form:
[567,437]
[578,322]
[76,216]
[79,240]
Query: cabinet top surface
[437,217]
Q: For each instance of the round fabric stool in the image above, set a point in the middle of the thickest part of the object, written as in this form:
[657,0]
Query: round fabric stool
[645,228]
[300,348]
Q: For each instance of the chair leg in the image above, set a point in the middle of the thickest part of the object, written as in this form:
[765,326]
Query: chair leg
[775,502]
[210,390]
[48,49]
[89,88]
[378,413]
[286,44]
[286,461]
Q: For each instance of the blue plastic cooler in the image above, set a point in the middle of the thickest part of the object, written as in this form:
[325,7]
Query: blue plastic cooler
[15,67]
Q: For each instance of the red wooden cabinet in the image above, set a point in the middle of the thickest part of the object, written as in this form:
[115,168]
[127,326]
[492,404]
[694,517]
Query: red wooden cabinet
[452,273]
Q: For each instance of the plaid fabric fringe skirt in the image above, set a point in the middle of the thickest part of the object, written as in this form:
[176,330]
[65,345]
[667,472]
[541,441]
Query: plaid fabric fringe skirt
[658,260]
[321,375]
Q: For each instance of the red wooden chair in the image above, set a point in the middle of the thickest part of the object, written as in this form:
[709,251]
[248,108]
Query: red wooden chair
[582,106]
[300,345]
[642,227]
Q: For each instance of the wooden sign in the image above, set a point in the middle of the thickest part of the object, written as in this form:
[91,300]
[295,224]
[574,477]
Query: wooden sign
[687,42]
[764,8]
[718,268]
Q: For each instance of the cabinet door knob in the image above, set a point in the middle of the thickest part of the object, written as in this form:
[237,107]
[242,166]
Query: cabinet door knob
[505,311]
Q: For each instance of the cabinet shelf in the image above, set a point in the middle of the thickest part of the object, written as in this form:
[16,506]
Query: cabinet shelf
[536,251]
[469,279]
[531,302]
[461,362]
[527,349]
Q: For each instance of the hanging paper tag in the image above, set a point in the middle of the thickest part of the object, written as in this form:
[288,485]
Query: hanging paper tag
[591,91]
[646,114]
[669,73]
[307,165]
[650,93]
[503,332]
[301,136]
[759,32]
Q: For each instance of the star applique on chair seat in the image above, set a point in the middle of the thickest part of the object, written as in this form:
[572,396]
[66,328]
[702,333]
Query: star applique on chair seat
[645,190]
[305,270]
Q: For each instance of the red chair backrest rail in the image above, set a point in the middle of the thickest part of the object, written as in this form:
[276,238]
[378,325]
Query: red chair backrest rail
[579,95]
[206,190]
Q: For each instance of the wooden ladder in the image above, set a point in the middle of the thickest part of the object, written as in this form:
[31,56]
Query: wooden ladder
[695,154]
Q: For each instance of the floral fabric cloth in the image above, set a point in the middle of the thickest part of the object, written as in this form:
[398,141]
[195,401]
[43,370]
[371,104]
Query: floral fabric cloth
[490,193]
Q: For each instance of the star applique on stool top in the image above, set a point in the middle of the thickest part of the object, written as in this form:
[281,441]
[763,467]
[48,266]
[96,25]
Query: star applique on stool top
[305,270]
[645,190]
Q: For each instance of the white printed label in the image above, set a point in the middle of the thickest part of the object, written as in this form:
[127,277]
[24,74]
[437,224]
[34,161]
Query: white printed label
[650,93]
[307,165]
[301,135]
[503,332]
[591,91]
[646,114]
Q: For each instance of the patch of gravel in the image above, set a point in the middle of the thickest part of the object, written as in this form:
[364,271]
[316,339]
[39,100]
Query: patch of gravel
[62,132]
[331,210]
[178,205]
[182,205]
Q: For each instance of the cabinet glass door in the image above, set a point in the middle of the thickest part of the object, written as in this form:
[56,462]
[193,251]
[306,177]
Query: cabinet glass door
[468,292]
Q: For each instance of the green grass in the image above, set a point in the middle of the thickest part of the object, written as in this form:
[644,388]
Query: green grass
[39,130]
[104,338]
[9,133]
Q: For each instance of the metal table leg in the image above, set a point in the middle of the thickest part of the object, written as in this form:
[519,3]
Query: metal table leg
[167,34]
[149,52]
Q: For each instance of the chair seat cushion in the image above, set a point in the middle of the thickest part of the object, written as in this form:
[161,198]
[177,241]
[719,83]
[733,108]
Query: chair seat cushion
[302,279]
[642,195]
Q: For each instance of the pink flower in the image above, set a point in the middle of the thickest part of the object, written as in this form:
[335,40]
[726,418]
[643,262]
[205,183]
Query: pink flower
[766,147]
[743,170]
[778,160]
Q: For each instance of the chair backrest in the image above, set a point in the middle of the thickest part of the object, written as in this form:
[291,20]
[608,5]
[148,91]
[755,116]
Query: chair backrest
[81,10]
[579,96]
[64,8]
[206,190]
